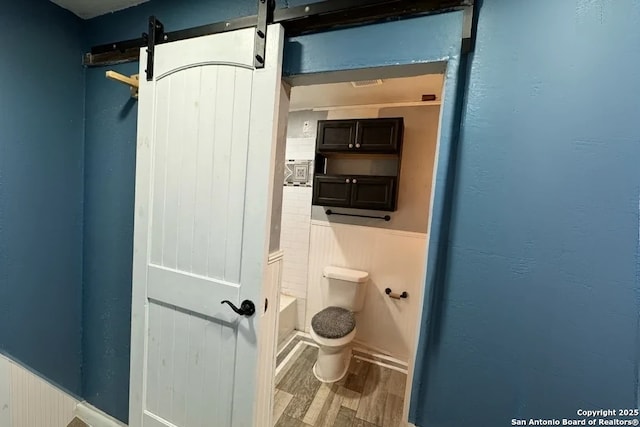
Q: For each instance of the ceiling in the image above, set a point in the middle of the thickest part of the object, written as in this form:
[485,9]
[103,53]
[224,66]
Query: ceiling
[87,9]
[406,89]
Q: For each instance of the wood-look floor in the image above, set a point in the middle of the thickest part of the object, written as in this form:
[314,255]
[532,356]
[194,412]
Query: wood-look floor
[369,396]
[77,422]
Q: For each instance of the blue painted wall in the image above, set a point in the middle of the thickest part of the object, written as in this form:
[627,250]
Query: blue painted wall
[542,293]
[537,287]
[110,153]
[41,156]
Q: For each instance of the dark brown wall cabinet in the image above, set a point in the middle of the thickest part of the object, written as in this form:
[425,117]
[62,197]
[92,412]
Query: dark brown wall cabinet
[350,140]
[336,135]
[360,136]
[329,190]
[360,191]
[373,192]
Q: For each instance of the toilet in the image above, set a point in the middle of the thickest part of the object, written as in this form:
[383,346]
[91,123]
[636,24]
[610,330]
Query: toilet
[334,327]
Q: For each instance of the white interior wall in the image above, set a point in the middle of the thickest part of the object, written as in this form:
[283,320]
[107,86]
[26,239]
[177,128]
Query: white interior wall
[393,252]
[354,113]
[394,259]
[26,400]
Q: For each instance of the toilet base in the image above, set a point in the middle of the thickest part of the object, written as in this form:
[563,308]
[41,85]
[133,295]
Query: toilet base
[336,363]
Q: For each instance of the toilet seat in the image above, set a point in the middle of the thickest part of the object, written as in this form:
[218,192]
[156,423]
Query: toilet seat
[333,323]
[332,342]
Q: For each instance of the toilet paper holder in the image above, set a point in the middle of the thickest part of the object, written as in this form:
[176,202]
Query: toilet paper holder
[395,295]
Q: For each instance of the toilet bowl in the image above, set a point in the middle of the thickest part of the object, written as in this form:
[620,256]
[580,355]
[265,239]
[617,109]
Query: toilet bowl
[334,327]
[334,351]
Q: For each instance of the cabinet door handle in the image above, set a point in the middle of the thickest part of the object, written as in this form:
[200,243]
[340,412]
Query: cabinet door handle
[357,145]
[347,180]
[350,145]
[355,181]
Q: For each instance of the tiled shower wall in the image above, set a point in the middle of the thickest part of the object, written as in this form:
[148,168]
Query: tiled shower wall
[294,241]
[296,211]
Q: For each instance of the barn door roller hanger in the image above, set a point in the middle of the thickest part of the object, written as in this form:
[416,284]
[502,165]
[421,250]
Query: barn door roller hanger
[157,35]
[314,17]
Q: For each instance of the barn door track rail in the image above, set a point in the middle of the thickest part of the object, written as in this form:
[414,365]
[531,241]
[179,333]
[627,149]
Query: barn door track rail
[315,17]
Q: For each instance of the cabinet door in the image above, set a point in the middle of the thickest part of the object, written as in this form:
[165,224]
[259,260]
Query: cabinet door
[336,135]
[332,191]
[379,135]
[374,192]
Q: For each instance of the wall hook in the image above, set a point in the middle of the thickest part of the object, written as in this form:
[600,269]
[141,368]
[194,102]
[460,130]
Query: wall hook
[133,82]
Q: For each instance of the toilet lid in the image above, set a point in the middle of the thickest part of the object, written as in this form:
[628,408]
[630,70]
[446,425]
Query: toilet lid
[333,322]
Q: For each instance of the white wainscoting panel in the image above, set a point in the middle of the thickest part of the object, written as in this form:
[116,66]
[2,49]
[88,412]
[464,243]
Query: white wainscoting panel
[5,392]
[26,400]
[394,259]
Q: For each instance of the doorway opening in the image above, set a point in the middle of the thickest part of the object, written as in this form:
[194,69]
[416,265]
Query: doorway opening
[362,211]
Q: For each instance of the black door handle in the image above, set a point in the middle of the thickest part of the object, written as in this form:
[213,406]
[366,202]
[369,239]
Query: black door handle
[247,308]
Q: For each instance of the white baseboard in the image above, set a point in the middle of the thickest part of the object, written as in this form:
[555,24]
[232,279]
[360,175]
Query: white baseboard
[380,355]
[362,352]
[95,417]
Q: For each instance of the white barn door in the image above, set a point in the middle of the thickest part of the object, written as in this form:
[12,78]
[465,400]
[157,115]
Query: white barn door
[204,183]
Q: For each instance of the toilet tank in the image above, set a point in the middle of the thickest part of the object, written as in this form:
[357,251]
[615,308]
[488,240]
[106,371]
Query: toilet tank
[344,287]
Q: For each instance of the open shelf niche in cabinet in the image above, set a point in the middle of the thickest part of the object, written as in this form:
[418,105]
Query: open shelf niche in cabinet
[358,163]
